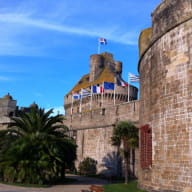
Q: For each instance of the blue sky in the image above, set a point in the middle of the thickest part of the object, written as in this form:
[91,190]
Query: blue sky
[45,45]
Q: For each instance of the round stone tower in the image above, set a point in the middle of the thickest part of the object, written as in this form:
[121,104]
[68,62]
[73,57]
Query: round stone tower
[165,69]
[118,67]
[96,66]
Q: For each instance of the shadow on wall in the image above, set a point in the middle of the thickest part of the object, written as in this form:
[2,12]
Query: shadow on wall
[112,164]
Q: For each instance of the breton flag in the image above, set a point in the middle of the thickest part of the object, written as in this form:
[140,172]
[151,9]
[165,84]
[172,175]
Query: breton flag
[122,83]
[134,78]
[108,85]
[102,41]
[85,92]
[97,89]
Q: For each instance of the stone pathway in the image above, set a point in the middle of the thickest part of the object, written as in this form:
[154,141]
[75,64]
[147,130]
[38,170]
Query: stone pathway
[81,183]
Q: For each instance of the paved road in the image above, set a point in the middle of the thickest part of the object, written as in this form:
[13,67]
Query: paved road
[81,183]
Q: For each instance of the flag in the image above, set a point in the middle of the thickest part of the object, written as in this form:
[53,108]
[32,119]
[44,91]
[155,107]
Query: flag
[85,92]
[76,96]
[108,85]
[102,41]
[133,78]
[122,83]
[97,89]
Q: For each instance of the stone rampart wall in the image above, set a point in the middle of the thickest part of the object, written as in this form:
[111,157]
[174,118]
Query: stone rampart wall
[165,100]
[94,130]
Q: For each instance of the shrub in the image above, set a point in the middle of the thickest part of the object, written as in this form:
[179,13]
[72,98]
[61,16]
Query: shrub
[88,166]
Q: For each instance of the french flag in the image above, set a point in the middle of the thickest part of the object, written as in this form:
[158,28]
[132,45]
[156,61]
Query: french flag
[98,89]
[122,83]
[102,41]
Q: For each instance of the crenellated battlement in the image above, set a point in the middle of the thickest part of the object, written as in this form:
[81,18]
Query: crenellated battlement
[100,117]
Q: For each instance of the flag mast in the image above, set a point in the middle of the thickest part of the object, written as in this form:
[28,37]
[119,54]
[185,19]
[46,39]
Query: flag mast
[128,88]
[81,101]
[72,104]
[114,89]
[99,46]
[102,94]
[91,97]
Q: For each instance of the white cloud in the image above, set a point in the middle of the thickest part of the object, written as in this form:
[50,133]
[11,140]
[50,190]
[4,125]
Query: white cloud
[4,78]
[113,33]
[56,110]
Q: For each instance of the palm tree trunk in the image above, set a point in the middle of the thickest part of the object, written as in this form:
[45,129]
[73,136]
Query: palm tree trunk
[63,172]
[126,158]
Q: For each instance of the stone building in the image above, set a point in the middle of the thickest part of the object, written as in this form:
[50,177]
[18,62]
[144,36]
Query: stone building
[165,108]
[7,109]
[165,115]
[92,118]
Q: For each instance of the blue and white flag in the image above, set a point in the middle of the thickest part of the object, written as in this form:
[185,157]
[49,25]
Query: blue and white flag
[134,78]
[85,92]
[108,85]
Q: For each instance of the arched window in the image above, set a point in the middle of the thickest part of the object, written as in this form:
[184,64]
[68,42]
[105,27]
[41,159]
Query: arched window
[146,147]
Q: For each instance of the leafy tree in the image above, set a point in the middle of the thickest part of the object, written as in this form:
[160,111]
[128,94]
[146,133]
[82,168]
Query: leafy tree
[88,166]
[127,133]
[35,148]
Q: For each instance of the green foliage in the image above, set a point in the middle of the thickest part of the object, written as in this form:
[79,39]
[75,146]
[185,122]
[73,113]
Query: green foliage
[88,166]
[132,187]
[126,133]
[35,149]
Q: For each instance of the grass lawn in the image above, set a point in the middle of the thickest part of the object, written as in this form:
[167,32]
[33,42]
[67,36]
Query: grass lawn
[121,187]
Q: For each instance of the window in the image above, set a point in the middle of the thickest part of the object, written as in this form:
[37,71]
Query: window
[146,146]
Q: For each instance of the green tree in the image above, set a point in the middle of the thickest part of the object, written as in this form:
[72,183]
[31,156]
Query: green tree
[88,166]
[35,148]
[127,133]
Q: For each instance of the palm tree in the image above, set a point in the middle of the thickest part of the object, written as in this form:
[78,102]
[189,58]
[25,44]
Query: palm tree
[35,148]
[127,133]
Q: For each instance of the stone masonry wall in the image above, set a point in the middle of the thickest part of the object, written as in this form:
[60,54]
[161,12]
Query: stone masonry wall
[166,99]
[94,130]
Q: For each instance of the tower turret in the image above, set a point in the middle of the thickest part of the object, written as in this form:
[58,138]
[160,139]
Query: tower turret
[118,67]
[96,66]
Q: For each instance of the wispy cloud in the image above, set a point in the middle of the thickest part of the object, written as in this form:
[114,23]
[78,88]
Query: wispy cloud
[112,32]
[4,78]
[26,24]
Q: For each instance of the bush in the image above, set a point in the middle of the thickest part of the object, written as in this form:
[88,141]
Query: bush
[88,166]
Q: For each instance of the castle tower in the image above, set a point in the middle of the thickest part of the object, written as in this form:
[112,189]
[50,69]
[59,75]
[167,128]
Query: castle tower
[165,69]
[91,119]
[103,68]
[7,110]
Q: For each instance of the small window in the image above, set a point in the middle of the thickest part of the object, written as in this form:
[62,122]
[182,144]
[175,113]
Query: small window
[146,147]
[103,111]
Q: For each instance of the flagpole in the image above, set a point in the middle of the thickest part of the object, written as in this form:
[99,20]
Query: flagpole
[99,44]
[102,94]
[72,104]
[128,88]
[91,97]
[114,89]
[80,100]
